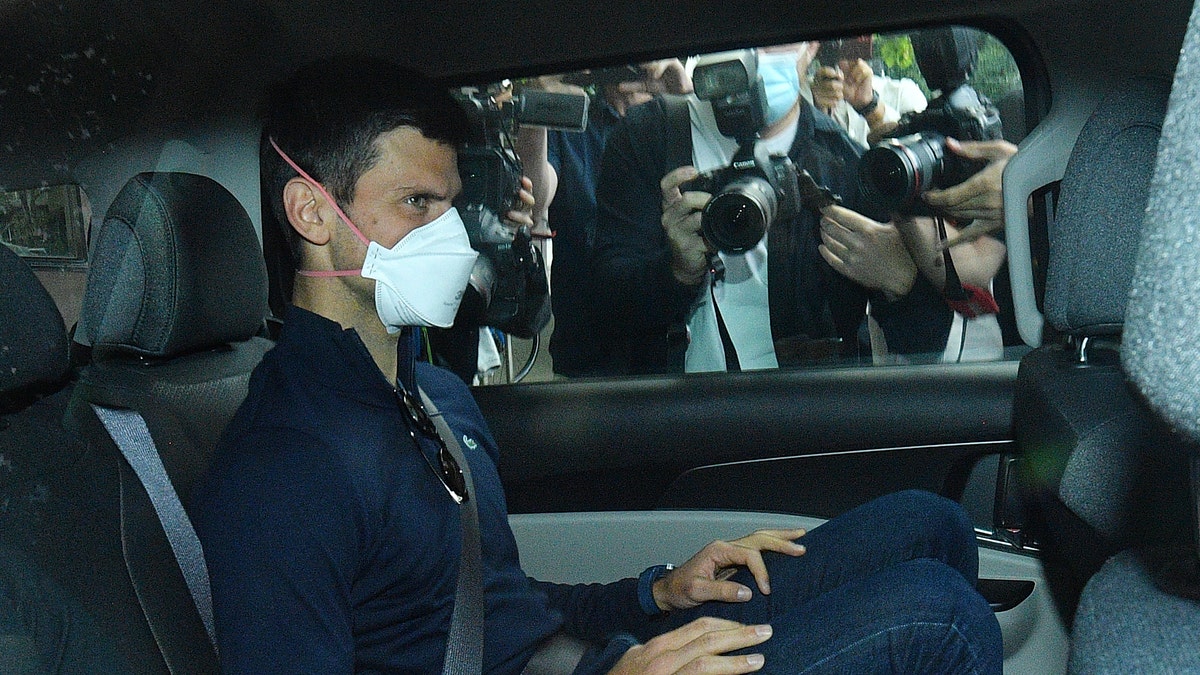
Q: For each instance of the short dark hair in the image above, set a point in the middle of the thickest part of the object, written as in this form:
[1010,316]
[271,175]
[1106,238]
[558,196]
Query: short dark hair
[326,117]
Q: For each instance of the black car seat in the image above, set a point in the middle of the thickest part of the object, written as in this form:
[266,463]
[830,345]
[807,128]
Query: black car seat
[45,573]
[174,308]
[34,389]
[1141,612]
[1092,485]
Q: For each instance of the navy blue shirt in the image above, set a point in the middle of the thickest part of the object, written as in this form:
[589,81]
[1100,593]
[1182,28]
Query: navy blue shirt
[332,546]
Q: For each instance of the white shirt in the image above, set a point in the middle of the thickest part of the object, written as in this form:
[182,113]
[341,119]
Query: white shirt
[898,96]
[741,295]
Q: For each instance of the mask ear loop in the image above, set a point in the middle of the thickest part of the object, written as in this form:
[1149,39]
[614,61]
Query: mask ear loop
[332,202]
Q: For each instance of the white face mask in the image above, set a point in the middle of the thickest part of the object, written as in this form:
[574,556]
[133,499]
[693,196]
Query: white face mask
[419,281]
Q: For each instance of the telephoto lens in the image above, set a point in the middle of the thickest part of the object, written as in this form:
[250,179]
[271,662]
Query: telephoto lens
[896,171]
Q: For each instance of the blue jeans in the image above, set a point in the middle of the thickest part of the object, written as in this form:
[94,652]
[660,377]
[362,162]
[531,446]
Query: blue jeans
[888,587]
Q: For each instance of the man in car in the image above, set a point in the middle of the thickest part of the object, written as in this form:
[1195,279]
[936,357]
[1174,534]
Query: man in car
[330,521]
[679,304]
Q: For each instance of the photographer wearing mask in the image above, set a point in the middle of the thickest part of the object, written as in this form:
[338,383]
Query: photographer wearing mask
[678,303]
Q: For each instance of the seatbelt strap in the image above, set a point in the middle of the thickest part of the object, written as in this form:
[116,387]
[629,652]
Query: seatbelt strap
[464,644]
[129,431]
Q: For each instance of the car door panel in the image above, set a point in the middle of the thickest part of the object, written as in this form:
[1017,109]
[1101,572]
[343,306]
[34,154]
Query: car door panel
[808,442]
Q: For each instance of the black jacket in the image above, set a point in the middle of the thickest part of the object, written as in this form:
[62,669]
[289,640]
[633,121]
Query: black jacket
[645,308]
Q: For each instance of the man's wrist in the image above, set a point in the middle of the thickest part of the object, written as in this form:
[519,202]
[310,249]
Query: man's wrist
[901,286]
[870,106]
[645,588]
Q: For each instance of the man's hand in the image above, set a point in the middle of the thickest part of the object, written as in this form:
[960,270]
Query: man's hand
[870,253]
[828,88]
[979,198]
[666,76]
[690,253]
[705,576]
[523,214]
[859,82]
[696,648]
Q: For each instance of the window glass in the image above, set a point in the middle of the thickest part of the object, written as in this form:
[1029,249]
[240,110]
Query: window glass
[781,248]
[45,225]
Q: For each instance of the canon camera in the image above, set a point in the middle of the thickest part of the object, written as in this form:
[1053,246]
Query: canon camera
[750,195]
[914,158]
[896,170]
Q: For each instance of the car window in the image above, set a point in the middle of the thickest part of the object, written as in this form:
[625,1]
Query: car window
[47,225]
[729,287]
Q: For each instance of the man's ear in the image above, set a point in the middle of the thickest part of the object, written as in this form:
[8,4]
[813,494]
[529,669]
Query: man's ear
[305,213]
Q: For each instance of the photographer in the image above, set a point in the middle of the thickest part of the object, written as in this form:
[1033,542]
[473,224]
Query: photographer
[572,169]
[675,309]
[865,104]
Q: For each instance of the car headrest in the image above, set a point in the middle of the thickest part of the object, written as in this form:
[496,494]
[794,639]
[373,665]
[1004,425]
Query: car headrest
[1161,351]
[1094,237]
[176,267]
[33,338]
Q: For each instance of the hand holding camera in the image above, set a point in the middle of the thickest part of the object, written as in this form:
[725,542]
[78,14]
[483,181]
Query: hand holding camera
[690,252]
[509,288]
[979,198]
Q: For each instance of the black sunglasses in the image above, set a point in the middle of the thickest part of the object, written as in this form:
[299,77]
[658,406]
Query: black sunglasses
[447,470]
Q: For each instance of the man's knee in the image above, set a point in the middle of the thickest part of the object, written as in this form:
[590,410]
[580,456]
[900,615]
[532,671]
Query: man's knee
[940,613]
[941,522]
[947,514]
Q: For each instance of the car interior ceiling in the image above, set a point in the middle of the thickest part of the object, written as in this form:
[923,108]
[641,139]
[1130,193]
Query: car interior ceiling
[1068,401]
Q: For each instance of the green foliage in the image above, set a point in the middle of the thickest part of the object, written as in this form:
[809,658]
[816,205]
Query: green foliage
[896,51]
[995,74]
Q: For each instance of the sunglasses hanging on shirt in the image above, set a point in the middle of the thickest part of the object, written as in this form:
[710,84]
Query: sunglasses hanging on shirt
[447,469]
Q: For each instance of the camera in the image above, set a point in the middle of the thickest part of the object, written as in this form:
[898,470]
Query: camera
[913,159]
[832,52]
[508,288]
[749,195]
[488,163]
[897,169]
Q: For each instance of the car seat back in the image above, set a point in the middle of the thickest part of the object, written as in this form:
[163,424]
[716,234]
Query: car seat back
[34,388]
[176,300]
[48,523]
[1092,484]
[1140,612]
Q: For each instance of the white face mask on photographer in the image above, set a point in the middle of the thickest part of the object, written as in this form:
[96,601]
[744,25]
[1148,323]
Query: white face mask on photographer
[781,82]
[419,281]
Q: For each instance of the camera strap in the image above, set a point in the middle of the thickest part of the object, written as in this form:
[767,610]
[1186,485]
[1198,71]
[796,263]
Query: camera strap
[966,299]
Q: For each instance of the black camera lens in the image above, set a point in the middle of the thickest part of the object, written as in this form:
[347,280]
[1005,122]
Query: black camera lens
[736,219]
[896,171]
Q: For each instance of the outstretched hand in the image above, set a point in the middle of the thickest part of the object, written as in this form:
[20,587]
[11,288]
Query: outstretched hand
[870,253]
[705,577]
[696,648]
[859,79]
